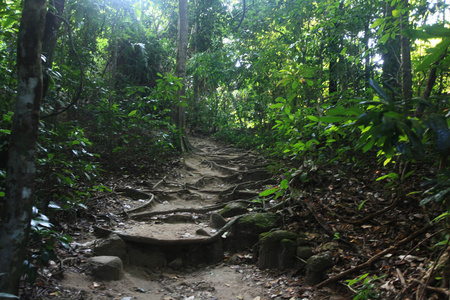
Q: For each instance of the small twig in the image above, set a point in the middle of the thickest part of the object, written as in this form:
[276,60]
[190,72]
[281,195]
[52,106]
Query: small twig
[400,276]
[159,182]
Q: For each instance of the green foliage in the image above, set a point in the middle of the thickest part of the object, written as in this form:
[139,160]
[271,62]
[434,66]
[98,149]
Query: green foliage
[66,165]
[366,287]
[386,125]
[438,189]
[43,242]
[278,190]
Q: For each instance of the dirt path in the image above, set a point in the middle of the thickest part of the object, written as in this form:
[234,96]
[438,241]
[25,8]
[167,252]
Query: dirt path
[172,213]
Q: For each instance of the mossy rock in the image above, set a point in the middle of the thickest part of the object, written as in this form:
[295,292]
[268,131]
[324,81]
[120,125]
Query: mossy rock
[304,252]
[316,267]
[277,235]
[233,209]
[259,222]
[245,232]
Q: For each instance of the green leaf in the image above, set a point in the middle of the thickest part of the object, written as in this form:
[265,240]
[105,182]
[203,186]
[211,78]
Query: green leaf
[437,30]
[284,184]
[378,22]
[276,106]
[384,38]
[392,176]
[369,145]
[313,118]
[332,119]
[132,113]
[435,55]
[269,192]
[379,90]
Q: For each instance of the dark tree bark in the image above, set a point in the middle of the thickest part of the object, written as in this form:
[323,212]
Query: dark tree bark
[391,55]
[406,57]
[180,71]
[21,168]
[52,25]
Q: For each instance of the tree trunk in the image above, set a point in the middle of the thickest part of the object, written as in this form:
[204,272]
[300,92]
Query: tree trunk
[406,57]
[180,71]
[21,168]
[391,55]
[52,24]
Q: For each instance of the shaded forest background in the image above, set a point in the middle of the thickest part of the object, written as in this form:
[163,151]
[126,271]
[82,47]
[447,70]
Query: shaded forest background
[333,82]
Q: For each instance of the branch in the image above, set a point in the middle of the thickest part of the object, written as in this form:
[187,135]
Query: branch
[242,18]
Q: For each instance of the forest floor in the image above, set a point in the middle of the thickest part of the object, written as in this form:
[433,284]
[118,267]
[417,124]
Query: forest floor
[370,229]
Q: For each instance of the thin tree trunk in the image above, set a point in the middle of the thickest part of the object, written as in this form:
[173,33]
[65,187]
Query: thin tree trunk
[21,168]
[391,55]
[52,25]
[180,70]
[406,57]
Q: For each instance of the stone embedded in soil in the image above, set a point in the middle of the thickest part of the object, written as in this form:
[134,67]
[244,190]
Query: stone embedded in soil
[245,231]
[113,245]
[217,221]
[106,267]
[233,209]
[304,252]
[276,249]
[176,264]
[316,266]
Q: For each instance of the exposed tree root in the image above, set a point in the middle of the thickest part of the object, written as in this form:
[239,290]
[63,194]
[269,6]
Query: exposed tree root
[147,215]
[159,182]
[155,241]
[229,194]
[133,193]
[145,205]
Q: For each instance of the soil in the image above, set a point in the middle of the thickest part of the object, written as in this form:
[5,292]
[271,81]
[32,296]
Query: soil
[341,209]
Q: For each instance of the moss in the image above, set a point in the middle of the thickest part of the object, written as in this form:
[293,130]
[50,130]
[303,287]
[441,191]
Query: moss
[260,220]
[279,235]
[233,209]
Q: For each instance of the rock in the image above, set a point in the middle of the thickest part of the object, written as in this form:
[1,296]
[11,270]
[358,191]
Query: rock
[217,221]
[176,264]
[106,267]
[233,209]
[276,249]
[245,232]
[202,231]
[316,266]
[304,252]
[286,256]
[113,245]
[276,236]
